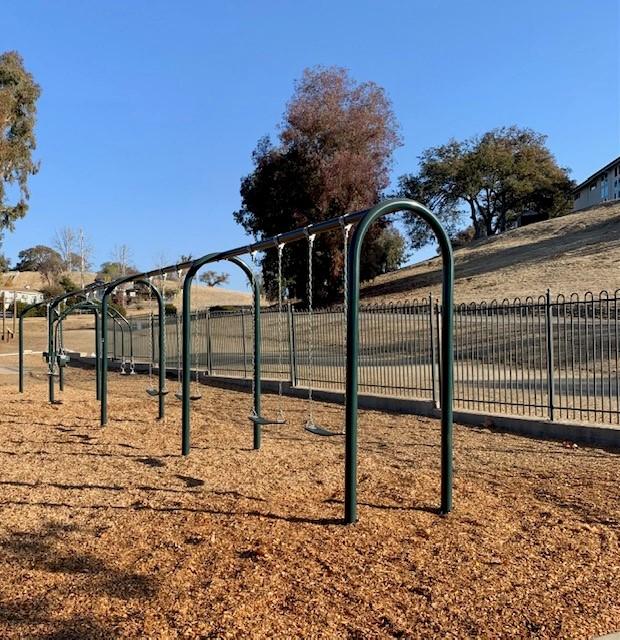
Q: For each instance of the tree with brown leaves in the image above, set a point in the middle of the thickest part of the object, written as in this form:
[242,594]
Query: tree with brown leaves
[333,156]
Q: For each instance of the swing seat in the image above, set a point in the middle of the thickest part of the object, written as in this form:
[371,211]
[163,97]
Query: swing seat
[62,359]
[192,396]
[155,392]
[262,421]
[317,430]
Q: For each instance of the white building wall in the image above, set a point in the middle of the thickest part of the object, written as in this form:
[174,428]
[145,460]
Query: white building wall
[603,187]
[26,297]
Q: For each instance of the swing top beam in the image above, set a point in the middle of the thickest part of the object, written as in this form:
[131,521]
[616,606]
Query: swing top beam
[287,237]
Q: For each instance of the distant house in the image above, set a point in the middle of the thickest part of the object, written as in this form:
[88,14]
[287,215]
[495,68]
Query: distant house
[602,186]
[10,296]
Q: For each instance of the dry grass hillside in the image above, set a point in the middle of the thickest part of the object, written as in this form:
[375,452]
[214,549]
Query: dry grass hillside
[576,253]
[202,296]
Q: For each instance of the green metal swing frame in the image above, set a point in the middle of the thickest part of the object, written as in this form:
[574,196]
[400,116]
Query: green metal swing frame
[361,222]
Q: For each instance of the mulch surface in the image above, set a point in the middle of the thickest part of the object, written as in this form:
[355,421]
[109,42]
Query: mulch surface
[109,533]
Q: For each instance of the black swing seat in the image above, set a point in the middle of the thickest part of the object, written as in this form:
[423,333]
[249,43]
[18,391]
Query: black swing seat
[262,421]
[192,396]
[317,430]
[156,392]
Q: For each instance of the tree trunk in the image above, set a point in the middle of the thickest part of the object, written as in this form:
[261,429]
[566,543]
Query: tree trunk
[474,220]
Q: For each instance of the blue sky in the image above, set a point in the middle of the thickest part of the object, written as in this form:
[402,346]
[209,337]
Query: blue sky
[150,110]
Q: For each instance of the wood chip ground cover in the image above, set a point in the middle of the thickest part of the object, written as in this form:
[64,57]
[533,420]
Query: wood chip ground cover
[109,533]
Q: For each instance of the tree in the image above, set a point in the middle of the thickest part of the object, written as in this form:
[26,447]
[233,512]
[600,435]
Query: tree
[121,255]
[386,254]
[491,178]
[112,270]
[84,254]
[333,156]
[65,243]
[18,99]
[213,278]
[43,259]
[4,263]
[67,284]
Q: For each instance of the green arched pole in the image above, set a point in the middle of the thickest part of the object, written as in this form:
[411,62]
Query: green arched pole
[122,321]
[136,279]
[118,319]
[187,347]
[89,306]
[51,318]
[352,361]
[25,311]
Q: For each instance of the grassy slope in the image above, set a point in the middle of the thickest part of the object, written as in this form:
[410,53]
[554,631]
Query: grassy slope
[202,296]
[576,253]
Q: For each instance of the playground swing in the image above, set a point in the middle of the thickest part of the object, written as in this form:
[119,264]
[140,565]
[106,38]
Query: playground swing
[123,369]
[51,361]
[60,359]
[194,394]
[152,390]
[279,419]
[311,426]
[125,362]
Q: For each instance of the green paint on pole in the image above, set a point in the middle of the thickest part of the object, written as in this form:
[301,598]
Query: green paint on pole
[352,356]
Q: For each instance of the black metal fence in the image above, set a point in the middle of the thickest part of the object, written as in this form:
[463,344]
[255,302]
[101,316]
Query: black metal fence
[547,357]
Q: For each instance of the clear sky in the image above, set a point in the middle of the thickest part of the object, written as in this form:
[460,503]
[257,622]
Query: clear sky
[150,109]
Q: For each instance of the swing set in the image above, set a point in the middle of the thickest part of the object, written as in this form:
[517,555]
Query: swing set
[360,222]
[354,227]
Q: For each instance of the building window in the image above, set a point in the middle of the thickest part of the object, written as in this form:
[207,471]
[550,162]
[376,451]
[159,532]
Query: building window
[593,186]
[604,188]
[576,195]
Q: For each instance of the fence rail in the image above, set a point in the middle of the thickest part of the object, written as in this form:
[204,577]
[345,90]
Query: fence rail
[555,358]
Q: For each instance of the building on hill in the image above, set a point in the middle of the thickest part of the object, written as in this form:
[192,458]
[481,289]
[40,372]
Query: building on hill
[9,296]
[602,186]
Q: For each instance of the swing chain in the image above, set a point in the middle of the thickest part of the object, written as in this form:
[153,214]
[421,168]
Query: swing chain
[310,237]
[152,331]
[346,228]
[280,247]
[178,335]
[253,414]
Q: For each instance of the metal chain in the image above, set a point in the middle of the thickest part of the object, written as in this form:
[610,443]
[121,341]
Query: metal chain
[345,254]
[254,311]
[310,328]
[280,333]
[60,337]
[50,361]
[152,332]
[178,332]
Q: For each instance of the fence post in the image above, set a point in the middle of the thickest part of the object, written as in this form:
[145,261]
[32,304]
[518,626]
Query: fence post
[114,354]
[245,371]
[433,348]
[550,382]
[209,358]
[291,345]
